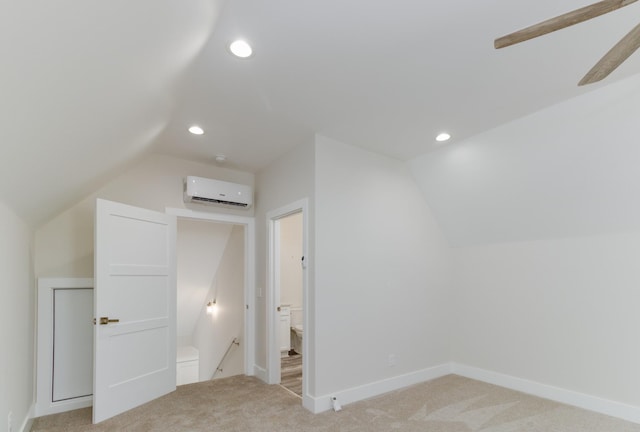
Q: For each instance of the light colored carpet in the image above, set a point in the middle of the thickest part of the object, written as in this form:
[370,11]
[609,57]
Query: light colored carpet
[448,404]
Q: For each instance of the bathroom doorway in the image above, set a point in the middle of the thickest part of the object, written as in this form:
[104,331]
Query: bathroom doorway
[289,279]
[288,298]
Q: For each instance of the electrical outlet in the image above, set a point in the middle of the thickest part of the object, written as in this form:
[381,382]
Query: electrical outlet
[10,422]
[335,404]
[392,360]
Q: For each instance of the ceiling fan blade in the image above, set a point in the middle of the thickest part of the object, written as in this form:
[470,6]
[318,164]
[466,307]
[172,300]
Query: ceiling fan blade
[561,21]
[614,58]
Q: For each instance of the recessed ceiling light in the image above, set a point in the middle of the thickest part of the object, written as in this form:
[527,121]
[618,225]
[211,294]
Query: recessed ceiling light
[240,49]
[443,137]
[196,130]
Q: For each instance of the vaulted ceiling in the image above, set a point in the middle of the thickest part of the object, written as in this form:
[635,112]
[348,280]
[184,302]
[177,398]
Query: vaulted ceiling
[89,86]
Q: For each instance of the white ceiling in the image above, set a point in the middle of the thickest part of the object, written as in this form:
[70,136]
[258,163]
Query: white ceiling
[89,85]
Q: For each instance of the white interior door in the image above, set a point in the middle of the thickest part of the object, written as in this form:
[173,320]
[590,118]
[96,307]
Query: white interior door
[276,348]
[135,285]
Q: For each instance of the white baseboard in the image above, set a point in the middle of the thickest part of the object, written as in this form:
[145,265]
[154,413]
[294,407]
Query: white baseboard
[354,394]
[28,421]
[261,373]
[569,397]
[46,408]
[26,426]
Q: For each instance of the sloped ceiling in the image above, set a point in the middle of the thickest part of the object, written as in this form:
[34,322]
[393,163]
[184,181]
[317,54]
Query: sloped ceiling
[88,86]
[571,170]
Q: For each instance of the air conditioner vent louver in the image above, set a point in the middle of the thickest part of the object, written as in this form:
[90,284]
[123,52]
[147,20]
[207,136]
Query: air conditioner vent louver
[215,192]
[217,201]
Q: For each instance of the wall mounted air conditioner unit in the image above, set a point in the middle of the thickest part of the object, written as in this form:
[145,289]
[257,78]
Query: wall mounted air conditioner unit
[217,192]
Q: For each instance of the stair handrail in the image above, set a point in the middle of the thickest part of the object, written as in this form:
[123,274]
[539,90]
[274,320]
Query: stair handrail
[235,341]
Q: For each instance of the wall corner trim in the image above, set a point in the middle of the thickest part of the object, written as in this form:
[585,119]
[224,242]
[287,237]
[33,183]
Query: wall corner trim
[323,403]
[580,400]
[28,421]
[261,373]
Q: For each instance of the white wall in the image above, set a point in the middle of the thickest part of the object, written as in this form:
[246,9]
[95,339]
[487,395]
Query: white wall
[200,248]
[382,271]
[64,245]
[17,318]
[560,312]
[545,215]
[290,261]
[288,179]
[214,332]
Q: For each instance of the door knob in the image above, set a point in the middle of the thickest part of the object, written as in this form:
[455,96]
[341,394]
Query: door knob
[106,320]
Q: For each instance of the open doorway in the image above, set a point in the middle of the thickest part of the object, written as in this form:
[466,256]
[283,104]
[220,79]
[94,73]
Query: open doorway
[210,300]
[287,297]
[289,278]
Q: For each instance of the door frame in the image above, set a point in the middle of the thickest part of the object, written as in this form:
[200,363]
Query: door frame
[44,404]
[273,292]
[249,272]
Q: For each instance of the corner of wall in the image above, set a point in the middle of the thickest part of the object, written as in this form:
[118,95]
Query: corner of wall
[346,396]
[557,394]
[17,318]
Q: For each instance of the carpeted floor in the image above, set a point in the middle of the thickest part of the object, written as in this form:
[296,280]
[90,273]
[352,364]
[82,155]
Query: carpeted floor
[448,404]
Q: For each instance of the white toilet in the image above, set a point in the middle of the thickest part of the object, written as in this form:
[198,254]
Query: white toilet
[296,329]
[296,338]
